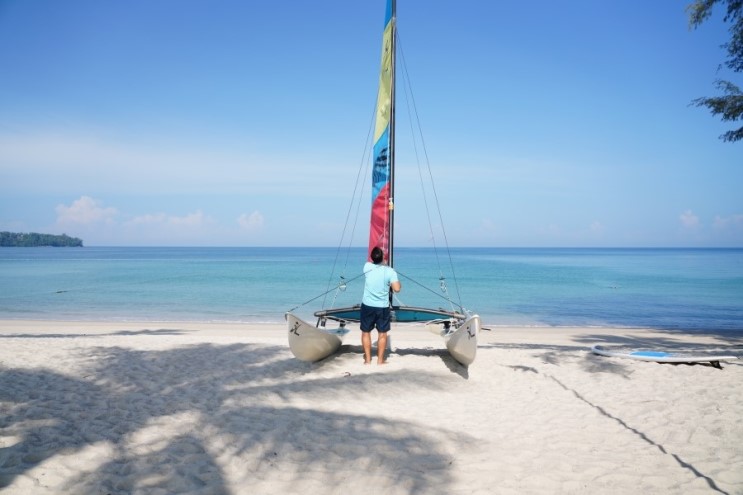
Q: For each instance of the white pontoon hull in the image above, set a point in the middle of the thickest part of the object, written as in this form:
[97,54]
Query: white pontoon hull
[309,343]
[462,341]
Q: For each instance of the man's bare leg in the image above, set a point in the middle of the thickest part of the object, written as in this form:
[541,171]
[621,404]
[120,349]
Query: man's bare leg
[366,345]
[381,347]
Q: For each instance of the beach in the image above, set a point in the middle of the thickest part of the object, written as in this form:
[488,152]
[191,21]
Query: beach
[120,408]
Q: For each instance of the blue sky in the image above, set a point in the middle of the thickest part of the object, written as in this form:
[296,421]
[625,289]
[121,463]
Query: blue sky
[244,123]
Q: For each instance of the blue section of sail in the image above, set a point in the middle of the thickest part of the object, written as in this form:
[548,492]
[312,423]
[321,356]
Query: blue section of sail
[381,171]
[388,12]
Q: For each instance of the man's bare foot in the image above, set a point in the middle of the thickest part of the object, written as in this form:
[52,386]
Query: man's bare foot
[367,362]
[381,362]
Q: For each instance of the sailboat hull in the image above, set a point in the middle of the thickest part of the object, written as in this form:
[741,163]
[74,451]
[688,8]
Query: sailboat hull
[309,343]
[462,341]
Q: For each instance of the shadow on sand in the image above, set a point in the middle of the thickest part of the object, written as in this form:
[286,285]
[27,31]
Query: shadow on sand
[728,343]
[226,392]
[448,361]
[731,343]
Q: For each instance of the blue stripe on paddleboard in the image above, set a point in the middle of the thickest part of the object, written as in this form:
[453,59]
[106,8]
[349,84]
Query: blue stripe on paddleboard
[650,354]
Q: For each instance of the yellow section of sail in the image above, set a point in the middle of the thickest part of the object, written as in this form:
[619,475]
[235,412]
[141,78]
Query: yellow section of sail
[384,97]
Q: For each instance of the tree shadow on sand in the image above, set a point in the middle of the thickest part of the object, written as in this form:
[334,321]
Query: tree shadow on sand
[442,354]
[161,331]
[222,401]
[604,403]
[729,344]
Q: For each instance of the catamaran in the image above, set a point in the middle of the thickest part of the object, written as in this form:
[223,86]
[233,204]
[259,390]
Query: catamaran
[458,327]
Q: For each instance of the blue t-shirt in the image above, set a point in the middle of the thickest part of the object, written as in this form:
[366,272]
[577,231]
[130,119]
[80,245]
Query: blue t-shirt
[377,286]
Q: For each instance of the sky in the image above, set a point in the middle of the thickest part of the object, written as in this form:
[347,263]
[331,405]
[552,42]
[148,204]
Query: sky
[245,122]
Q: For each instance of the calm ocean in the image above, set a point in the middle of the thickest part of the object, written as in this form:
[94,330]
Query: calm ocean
[680,289]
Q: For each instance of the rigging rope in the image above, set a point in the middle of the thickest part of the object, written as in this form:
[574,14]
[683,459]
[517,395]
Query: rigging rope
[452,303]
[409,90]
[321,295]
[359,175]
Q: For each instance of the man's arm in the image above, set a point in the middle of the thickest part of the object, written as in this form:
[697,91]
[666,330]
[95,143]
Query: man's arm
[395,286]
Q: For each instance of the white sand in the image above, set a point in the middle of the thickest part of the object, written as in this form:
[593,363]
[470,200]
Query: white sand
[105,408]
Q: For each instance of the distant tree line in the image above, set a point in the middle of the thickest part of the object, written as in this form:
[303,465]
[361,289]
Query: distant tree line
[12,239]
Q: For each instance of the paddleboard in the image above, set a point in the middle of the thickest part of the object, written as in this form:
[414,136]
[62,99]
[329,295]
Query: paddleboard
[662,356]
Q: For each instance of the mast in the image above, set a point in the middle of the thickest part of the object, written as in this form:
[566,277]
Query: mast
[392,137]
[382,216]
[391,210]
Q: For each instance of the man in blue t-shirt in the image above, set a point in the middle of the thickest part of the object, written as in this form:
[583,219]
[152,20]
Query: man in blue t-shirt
[375,305]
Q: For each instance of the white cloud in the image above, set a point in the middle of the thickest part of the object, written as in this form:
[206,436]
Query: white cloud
[251,222]
[731,222]
[689,220]
[191,220]
[168,230]
[195,219]
[488,225]
[596,227]
[148,219]
[85,211]
[87,217]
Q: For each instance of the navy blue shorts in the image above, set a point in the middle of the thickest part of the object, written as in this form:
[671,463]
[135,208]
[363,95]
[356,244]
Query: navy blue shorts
[371,317]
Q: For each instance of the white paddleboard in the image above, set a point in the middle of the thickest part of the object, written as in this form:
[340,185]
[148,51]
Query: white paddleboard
[659,356]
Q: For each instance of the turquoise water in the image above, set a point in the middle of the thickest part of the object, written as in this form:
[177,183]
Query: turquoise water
[686,289]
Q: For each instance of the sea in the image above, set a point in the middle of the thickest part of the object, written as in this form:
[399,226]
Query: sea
[671,289]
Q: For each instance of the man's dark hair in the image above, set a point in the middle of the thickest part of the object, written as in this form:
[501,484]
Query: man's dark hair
[377,255]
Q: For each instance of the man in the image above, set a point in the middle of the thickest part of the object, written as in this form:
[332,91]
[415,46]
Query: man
[375,305]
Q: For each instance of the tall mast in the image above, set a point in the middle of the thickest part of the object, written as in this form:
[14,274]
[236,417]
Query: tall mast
[392,135]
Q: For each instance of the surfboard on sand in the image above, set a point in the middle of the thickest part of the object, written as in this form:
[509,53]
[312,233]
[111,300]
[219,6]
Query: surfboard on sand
[659,356]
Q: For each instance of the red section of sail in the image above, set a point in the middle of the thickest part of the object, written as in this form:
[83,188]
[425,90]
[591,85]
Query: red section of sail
[379,227]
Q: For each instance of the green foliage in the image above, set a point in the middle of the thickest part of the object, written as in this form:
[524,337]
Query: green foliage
[701,10]
[11,239]
[729,106]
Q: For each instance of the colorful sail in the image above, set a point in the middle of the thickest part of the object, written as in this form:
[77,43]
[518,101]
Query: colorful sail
[381,210]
